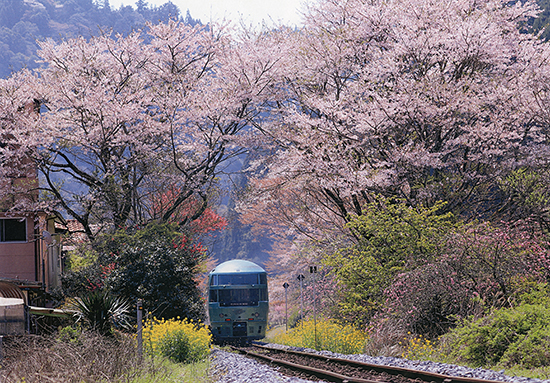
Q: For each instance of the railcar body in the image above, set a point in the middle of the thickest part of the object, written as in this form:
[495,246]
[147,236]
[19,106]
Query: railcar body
[238,303]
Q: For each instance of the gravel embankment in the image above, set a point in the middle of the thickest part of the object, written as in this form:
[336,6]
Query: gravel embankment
[229,367]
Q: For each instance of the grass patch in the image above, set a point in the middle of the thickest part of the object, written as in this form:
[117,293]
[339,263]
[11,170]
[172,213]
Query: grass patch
[81,357]
[166,371]
[536,373]
[77,357]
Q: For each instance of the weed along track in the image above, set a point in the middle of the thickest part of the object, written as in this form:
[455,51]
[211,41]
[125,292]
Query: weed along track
[308,365]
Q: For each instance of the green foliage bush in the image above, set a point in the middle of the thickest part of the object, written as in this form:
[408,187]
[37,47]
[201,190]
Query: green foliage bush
[157,263]
[176,346]
[508,337]
[530,292]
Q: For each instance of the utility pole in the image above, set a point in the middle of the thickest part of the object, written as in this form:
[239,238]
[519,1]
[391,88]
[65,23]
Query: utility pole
[140,328]
[300,278]
[313,270]
[285,285]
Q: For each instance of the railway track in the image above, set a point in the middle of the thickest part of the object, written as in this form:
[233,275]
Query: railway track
[322,367]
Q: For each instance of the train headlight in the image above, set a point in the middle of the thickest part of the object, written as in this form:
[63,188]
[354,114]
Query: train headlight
[256,314]
[221,315]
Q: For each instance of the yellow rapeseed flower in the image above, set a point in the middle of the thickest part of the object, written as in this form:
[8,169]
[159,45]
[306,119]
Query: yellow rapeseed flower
[331,336]
[162,336]
[418,348]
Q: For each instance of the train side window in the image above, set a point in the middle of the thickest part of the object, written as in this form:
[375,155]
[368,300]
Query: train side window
[213,295]
[263,295]
[263,279]
[214,280]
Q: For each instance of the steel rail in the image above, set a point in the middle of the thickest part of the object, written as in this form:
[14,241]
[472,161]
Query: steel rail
[392,370]
[322,374]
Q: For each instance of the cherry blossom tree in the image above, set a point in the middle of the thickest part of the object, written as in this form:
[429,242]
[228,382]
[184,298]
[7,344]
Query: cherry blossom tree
[421,100]
[17,178]
[424,100]
[120,120]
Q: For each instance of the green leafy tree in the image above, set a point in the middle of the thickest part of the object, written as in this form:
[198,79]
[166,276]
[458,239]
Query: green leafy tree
[158,264]
[392,238]
[528,196]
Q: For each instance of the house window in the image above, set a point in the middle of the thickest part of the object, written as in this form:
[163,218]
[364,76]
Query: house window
[13,230]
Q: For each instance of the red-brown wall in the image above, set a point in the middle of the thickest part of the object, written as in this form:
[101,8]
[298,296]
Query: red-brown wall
[17,259]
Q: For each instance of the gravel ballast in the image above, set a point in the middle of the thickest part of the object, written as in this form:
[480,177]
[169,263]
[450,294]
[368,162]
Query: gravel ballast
[228,367]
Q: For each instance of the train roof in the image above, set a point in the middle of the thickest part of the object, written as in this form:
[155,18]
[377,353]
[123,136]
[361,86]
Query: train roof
[237,266]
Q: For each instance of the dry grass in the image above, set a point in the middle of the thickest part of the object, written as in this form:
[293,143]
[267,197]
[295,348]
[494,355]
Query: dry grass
[86,358]
[385,341]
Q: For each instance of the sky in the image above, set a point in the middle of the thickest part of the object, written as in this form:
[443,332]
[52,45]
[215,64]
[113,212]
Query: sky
[252,11]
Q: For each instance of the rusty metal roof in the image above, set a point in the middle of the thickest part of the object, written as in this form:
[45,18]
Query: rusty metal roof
[9,290]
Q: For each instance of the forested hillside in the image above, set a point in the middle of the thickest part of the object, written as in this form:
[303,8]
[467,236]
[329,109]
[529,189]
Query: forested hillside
[22,22]
[540,24]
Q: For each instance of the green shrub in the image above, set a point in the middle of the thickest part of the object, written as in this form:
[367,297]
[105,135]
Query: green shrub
[531,351]
[176,347]
[507,337]
[69,334]
[530,292]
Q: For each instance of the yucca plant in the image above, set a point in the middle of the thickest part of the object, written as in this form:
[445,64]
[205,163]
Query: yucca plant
[101,312]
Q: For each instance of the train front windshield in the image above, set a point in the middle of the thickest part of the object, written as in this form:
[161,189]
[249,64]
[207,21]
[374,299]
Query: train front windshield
[233,295]
[238,279]
[244,297]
